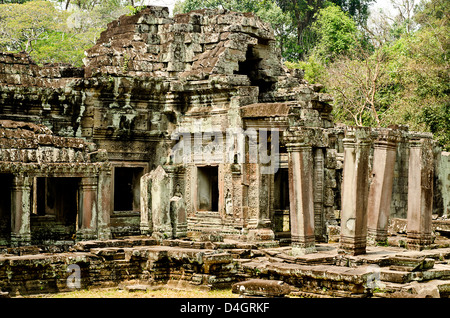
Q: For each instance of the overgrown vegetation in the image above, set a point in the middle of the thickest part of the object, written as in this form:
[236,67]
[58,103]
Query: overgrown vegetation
[381,69]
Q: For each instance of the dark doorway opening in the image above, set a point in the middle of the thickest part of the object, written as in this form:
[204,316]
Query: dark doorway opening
[5,207]
[251,68]
[55,209]
[127,188]
[208,188]
[281,205]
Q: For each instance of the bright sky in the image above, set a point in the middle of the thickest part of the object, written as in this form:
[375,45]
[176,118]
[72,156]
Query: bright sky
[162,3]
[382,4]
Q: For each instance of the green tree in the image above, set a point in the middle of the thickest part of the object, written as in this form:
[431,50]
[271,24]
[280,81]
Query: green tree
[21,25]
[420,64]
[304,14]
[336,33]
[52,35]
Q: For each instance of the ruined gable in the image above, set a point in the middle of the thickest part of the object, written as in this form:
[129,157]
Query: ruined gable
[194,45]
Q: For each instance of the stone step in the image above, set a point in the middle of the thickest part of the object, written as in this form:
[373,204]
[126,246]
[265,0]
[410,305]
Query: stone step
[410,264]
[439,271]
[123,242]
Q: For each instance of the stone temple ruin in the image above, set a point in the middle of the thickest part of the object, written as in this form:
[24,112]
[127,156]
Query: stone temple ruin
[184,152]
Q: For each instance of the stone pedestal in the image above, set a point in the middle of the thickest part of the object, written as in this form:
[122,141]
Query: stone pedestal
[355,188]
[301,197]
[20,211]
[87,212]
[420,194]
[380,192]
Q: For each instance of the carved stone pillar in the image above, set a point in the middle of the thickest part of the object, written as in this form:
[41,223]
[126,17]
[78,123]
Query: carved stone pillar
[104,204]
[160,192]
[319,179]
[420,194]
[146,224]
[355,188]
[380,192]
[87,212]
[301,194]
[20,211]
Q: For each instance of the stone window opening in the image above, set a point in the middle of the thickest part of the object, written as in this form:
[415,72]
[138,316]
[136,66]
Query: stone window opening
[208,188]
[251,68]
[127,188]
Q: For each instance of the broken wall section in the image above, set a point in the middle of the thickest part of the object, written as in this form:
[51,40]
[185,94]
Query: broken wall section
[40,94]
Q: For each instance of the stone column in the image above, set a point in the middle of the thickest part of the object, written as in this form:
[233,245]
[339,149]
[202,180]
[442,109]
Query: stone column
[355,188]
[420,193]
[87,212]
[380,192]
[319,177]
[104,204]
[146,224]
[301,195]
[21,210]
[160,192]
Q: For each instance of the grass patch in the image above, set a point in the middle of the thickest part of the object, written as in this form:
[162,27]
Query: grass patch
[161,293]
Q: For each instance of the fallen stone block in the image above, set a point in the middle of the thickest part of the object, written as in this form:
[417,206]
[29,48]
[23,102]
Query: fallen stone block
[261,288]
[410,264]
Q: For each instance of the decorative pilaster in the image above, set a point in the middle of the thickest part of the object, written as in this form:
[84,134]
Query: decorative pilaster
[87,212]
[355,188]
[380,192]
[20,210]
[301,193]
[420,194]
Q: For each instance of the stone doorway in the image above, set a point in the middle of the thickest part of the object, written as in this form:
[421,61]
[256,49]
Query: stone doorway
[5,207]
[208,188]
[127,188]
[54,209]
[281,217]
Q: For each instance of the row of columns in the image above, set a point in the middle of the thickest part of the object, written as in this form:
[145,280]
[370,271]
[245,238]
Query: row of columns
[93,213]
[365,201]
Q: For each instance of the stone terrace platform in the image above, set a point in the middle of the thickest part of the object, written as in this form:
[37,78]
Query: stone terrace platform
[384,271]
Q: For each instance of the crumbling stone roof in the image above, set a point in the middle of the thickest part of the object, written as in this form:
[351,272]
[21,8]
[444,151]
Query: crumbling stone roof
[191,45]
